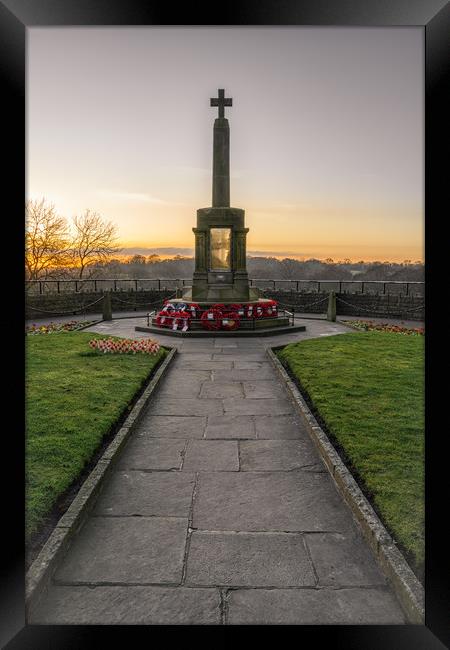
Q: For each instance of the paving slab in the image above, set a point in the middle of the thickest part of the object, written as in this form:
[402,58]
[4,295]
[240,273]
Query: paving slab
[244,364]
[181,387]
[269,501]
[163,494]
[197,345]
[211,455]
[280,427]
[204,365]
[236,352]
[194,356]
[131,605]
[265,371]
[247,343]
[242,355]
[276,455]
[230,426]
[376,606]
[221,390]
[132,550]
[248,406]
[184,374]
[152,453]
[171,426]
[163,405]
[264,389]
[248,559]
[343,560]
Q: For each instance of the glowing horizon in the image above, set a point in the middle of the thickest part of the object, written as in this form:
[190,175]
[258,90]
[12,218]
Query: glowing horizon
[338,173]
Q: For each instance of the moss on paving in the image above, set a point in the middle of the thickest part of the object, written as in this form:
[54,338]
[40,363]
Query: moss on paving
[368,390]
[74,396]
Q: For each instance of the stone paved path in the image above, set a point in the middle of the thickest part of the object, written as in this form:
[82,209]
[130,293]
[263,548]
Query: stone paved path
[219,510]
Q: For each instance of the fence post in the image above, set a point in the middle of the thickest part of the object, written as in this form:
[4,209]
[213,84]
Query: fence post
[107,311]
[331,312]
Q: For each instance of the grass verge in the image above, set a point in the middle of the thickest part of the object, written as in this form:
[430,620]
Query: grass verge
[367,391]
[74,398]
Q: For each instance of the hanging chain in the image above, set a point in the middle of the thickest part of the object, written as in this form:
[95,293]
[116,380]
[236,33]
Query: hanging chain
[63,313]
[377,311]
[148,304]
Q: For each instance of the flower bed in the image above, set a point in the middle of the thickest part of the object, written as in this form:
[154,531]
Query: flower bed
[53,328]
[367,326]
[125,346]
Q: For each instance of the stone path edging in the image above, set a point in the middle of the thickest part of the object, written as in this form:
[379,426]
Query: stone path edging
[91,324]
[53,551]
[405,584]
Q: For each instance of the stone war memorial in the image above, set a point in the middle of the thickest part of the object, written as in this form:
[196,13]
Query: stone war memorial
[220,298]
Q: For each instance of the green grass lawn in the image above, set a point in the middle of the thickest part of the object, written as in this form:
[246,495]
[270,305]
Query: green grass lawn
[74,396]
[368,389]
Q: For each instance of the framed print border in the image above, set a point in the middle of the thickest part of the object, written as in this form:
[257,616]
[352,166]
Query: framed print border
[18,15]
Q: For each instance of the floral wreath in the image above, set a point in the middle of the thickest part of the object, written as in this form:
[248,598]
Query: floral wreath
[212,319]
[218,316]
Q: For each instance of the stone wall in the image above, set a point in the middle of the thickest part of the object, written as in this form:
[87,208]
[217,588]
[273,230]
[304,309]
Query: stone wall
[65,304]
[347,304]
[354,304]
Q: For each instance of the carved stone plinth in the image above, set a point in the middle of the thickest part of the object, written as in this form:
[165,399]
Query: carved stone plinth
[220,275]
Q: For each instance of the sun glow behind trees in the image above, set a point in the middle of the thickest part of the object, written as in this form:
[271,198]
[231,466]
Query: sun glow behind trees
[55,247]
[88,247]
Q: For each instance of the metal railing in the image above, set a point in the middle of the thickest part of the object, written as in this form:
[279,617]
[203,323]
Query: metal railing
[244,323]
[167,284]
[102,284]
[340,285]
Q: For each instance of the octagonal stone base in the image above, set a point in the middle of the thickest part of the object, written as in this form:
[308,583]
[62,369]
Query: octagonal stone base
[262,331]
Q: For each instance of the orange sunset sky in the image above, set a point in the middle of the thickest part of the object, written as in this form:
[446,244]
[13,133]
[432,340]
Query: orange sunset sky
[326,133]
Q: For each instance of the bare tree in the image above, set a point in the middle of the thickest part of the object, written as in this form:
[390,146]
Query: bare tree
[46,240]
[94,241]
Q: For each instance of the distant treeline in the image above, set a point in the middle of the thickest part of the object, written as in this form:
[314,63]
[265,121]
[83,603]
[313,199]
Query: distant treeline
[271,268]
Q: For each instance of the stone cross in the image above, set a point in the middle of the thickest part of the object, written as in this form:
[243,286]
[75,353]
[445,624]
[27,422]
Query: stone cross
[221,101]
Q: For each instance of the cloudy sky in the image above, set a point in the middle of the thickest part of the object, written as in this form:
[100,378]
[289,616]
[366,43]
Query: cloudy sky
[326,133]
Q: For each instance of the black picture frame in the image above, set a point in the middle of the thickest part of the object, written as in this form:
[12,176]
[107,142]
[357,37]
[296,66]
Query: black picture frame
[15,17]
